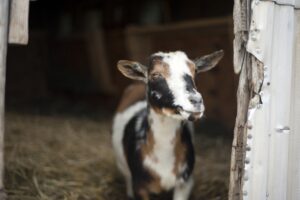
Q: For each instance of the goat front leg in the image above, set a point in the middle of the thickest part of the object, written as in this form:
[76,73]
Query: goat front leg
[129,189]
[183,189]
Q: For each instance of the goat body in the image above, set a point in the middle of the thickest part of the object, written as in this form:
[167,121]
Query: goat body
[152,132]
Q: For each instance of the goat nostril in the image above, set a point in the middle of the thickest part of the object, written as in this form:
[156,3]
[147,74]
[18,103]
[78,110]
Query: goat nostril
[193,101]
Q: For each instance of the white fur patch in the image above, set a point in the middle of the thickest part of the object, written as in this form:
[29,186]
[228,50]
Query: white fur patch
[178,66]
[119,123]
[162,159]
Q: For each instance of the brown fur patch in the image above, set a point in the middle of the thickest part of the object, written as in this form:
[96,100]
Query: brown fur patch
[180,157]
[169,111]
[164,111]
[179,152]
[154,185]
[132,94]
[147,148]
[159,67]
[156,109]
[143,194]
[192,67]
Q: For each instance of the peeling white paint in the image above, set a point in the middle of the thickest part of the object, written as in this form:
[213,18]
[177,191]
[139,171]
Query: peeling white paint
[269,157]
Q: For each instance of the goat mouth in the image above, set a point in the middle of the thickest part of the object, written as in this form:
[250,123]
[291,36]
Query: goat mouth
[190,115]
[193,112]
[179,109]
[193,116]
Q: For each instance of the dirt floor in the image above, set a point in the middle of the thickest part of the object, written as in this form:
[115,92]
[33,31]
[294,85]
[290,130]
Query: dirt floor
[52,156]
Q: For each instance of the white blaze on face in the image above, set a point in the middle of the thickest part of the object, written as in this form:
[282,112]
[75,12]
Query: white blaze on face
[178,67]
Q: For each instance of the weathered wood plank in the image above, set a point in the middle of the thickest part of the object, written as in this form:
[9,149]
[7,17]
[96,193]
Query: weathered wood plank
[240,134]
[3,49]
[241,19]
[18,23]
[242,65]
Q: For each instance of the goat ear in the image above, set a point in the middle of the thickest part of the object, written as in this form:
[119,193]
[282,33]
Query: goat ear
[208,62]
[133,70]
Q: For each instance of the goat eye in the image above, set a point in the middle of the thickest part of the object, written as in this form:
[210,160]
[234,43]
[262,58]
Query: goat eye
[156,76]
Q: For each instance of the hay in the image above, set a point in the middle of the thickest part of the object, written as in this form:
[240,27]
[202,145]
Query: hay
[54,157]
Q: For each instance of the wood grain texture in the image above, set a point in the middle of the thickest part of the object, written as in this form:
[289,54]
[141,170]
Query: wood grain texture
[240,134]
[242,65]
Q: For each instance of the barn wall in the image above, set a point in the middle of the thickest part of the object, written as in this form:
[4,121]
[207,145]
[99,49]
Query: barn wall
[271,163]
[27,67]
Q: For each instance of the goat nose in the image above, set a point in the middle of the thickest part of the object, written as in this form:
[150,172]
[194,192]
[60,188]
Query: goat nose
[195,99]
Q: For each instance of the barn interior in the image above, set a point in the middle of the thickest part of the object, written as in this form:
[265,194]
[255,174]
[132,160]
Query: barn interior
[63,87]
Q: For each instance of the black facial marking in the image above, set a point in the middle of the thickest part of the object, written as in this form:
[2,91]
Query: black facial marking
[190,154]
[191,118]
[160,86]
[131,143]
[189,83]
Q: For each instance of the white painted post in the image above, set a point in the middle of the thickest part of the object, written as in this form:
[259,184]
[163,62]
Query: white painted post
[3,49]
[293,192]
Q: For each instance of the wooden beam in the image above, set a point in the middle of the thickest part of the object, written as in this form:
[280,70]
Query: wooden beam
[3,49]
[240,134]
[18,23]
[242,65]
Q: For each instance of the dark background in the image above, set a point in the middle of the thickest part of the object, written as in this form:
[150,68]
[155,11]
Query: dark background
[74,47]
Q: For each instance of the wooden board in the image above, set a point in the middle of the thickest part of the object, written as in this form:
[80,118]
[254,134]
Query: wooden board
[18,22]
[3,51]
[293,192]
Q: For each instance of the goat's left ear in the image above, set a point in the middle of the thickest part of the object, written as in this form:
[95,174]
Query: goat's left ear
[133,70]
[208,62]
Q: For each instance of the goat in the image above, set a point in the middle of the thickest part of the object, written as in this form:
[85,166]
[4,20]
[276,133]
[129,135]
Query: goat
[152,129]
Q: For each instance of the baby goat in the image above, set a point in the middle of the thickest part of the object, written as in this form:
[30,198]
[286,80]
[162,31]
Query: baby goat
[152,137]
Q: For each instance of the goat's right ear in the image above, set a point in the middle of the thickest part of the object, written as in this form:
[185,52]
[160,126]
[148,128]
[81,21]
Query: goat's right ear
[209,61]
[133,70]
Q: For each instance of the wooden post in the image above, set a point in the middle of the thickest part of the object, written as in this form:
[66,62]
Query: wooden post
[18,22]
[242,65]
[4,8]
